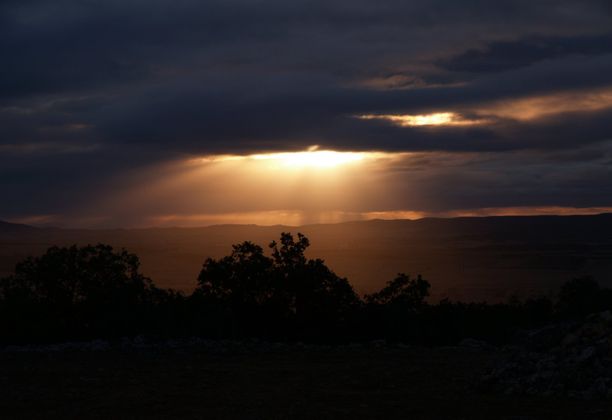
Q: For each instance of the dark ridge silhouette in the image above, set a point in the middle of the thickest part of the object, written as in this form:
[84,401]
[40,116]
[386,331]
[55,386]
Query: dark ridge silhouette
[6,227]
[95,291]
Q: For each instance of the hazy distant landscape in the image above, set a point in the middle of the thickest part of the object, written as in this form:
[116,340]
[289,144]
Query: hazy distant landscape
[488,258]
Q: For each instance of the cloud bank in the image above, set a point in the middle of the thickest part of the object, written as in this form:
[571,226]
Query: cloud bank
[99,96]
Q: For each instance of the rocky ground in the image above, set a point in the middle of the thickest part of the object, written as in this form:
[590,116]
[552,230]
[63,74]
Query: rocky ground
[566,360]
[197,378]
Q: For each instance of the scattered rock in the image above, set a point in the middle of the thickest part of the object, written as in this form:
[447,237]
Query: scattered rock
[570,359]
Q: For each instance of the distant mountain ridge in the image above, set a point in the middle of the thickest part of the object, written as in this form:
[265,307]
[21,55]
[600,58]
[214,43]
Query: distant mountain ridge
[467,221]
[14,227]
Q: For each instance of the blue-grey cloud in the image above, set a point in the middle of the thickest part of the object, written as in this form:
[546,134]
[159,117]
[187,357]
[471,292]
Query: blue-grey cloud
[506,55]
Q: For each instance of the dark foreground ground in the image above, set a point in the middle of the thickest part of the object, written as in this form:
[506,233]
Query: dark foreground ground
[278,383]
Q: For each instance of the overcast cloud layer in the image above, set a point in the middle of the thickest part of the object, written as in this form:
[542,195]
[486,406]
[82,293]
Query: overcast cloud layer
[92,92]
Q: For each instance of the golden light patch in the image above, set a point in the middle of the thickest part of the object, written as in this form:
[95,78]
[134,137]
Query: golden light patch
[542,106]
[311,158]
[521,109]
[316,159]
[435,119]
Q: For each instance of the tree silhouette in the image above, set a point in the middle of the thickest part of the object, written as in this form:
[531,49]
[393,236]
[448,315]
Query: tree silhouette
[314,289]
[77,290]
[240,279]
[290,253]
[286,287]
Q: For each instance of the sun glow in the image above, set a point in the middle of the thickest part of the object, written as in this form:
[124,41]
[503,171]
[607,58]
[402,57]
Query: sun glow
[311,158]
[431,119]
[315,158]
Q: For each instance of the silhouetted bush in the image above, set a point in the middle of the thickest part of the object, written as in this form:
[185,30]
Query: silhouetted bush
[402,291]
[582,296]
[395,310]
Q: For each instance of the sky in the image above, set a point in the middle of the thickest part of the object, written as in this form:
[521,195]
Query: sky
[133,113]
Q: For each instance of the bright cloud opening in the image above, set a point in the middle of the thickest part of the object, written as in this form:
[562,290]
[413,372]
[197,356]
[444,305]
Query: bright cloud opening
[435,119]
[317,159]
[311,158]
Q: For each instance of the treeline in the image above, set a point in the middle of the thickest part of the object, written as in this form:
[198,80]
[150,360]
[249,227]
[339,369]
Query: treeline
[80,293]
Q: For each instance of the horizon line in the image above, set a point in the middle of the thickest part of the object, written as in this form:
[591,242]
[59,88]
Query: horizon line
[442,216]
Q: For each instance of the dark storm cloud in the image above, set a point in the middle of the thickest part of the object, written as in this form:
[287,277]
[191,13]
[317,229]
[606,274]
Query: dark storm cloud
[67,46]
[91,89]
[238,120]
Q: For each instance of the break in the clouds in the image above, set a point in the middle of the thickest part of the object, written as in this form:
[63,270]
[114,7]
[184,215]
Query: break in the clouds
[466,105]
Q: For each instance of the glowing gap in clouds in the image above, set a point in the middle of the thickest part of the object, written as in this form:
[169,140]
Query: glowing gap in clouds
[317,158]
[311,158]
[522,109]
[435,119]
